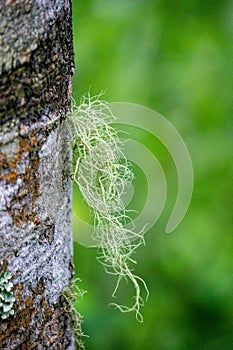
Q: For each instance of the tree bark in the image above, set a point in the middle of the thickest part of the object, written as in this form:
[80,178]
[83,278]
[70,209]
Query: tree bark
[36,68]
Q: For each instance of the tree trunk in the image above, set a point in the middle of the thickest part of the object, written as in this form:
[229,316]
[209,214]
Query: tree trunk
[36,68]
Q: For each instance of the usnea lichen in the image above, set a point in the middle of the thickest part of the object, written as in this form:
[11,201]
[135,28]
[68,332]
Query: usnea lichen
[7,298]
[71,294]
[102,174]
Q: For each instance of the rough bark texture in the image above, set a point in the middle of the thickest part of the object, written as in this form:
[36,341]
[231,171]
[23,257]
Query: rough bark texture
[36,67]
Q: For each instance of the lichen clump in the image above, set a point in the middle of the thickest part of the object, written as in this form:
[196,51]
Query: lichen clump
[71,295]
[7,298]
[102,174]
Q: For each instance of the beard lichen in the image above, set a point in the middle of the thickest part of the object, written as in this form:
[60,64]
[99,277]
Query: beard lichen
[102,174]
[72,294]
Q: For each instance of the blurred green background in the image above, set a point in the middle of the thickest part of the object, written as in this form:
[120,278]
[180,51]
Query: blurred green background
[174,57]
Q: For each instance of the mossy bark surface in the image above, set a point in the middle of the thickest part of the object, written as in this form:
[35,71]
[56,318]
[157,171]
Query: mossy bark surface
[36,69]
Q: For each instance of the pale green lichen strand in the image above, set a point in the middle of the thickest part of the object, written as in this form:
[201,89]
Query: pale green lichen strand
[72,294]
[102,173]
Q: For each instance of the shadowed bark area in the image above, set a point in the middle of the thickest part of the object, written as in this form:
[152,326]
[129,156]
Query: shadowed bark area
[36,68]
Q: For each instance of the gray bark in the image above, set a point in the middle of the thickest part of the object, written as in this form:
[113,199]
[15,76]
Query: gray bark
[36,68]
